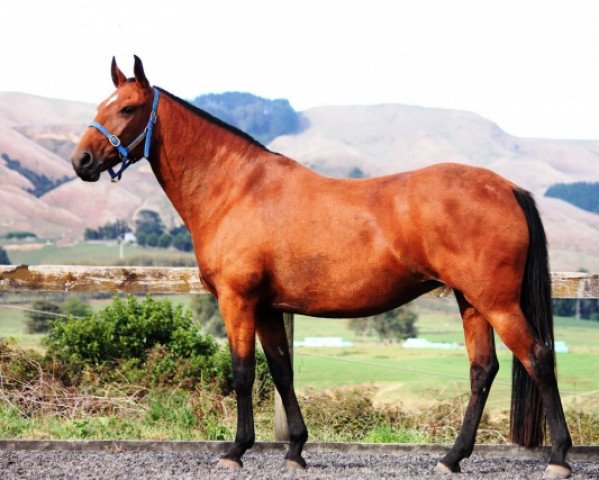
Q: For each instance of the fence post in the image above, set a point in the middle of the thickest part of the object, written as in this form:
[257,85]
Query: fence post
[281,428]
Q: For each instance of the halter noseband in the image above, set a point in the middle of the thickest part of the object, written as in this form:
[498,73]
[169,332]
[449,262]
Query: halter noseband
[125,151]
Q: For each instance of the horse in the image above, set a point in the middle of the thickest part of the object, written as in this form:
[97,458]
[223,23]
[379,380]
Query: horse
[272,236]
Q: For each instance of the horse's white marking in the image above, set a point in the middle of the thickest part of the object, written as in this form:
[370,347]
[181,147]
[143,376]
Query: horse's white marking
[111,99]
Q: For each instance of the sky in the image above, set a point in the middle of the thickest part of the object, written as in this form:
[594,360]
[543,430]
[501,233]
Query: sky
[530,66]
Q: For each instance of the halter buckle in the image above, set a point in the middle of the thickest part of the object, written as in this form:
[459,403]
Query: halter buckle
[114,140]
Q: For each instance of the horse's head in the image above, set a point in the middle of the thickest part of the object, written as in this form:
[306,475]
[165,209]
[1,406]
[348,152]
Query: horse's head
[120,122]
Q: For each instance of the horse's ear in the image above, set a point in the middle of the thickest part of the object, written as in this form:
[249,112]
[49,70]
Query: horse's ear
[138,70]
[118,77]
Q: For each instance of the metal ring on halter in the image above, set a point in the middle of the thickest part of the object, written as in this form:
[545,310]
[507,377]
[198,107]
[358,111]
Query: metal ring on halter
[114,144]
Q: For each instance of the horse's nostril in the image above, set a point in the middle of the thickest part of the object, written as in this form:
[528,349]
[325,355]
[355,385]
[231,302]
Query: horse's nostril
[85,159]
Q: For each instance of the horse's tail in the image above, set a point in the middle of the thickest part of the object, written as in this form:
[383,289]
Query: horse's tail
[527,420]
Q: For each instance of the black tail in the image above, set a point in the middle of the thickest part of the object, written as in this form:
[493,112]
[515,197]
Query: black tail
[527,420]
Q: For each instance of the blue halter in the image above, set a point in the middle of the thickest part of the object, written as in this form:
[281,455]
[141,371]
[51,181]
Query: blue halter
[125,151]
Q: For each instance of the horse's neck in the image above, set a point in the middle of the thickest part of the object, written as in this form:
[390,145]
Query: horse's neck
[198,162]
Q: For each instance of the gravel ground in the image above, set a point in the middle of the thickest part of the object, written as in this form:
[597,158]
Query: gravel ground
[49,465]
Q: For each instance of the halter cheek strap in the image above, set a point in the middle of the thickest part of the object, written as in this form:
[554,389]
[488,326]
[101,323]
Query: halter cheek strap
[125,151]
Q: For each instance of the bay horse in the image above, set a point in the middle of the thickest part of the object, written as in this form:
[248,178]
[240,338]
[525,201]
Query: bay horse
[271,236]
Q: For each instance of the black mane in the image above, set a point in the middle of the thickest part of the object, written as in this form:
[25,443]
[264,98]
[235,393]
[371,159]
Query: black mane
[212,119]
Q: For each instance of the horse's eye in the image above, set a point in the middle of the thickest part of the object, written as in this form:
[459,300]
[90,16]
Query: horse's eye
[128,110]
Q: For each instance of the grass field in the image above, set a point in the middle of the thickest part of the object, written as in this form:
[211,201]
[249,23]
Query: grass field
[417,376]
[95,254]
[411,376]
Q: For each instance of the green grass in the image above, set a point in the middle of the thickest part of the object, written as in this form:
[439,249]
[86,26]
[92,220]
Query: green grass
[92,254]
[13,325]
[417,376]
[161,416]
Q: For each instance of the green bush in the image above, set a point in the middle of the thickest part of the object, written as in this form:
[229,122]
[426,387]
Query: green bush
[76,306]
[128,329]
[150,343]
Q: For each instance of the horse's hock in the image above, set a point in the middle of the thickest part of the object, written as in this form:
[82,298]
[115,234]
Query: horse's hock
[74,278]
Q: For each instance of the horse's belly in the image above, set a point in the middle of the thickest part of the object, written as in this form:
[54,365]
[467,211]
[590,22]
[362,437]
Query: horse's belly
[351,297]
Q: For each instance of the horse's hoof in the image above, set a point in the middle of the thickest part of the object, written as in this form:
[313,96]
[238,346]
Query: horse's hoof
[229,463]
[444,469]
[301,465]
[556,472]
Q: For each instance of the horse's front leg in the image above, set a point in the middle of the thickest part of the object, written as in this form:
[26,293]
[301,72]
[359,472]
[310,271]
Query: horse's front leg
[239,316]
[271,331]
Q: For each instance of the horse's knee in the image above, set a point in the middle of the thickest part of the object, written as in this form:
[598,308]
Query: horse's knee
[244,374]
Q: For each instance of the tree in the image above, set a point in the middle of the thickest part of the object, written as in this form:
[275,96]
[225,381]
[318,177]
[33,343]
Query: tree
[19,235]
[362,326]
[109,231]
[182,241]
[394,325]
[4,260]
[205,308]
[42,313]
[165,240]
[148,222]
[152,239]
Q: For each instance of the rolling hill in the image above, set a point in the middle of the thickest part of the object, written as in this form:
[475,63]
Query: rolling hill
[372,140]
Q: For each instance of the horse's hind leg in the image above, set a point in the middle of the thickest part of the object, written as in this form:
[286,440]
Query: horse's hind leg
[483,368]
[271,331]
[538,360]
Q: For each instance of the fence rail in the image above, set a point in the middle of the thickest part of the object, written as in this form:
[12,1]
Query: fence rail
[76,278]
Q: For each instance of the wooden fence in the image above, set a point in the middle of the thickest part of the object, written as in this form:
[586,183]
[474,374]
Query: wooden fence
[74,278]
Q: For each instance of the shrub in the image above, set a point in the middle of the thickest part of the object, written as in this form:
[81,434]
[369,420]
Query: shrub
[127,329]
[41,315]
[76,306]
[150,343]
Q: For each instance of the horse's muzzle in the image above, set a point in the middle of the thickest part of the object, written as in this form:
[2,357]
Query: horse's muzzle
[85,167]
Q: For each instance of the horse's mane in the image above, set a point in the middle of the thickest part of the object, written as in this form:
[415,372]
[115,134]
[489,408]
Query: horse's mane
[212,119]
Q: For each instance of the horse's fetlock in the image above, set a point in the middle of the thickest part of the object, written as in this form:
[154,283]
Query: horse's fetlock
[299,437]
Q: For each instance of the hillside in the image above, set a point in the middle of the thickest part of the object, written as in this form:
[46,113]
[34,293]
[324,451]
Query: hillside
[383,139]
[337,141]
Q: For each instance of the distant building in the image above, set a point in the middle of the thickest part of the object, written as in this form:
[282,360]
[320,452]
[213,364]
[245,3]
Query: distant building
[129,238]
[323,342]
[424,343]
